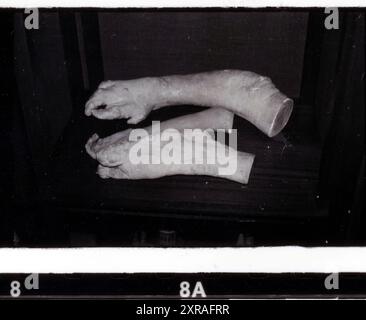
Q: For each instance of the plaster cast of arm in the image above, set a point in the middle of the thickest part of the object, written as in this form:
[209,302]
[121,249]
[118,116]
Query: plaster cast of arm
[115,161]
[212,118]
[113,152]
[244,93]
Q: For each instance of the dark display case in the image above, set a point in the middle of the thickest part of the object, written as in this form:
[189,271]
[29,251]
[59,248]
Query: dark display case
[306,186]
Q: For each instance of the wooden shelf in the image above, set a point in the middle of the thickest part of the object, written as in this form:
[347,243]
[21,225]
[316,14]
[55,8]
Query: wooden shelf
[282,184]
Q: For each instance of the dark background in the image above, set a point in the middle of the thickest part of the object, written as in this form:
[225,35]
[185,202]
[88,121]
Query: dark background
[307,183]
[155,44]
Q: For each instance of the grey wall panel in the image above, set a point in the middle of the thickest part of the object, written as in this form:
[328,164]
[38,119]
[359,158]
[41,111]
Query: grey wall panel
[136,44]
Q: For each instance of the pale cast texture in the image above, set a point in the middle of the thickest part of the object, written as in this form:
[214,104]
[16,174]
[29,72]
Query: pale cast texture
[113,152]
[247,94]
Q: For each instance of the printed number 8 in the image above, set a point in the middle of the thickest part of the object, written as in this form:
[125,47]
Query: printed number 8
[15,289]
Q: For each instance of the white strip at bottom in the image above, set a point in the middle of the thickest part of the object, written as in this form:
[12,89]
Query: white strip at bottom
[181,3]
[184,260]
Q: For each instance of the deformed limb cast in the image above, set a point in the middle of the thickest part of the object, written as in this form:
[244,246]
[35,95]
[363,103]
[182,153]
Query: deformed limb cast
[113,152]
[244,93]
[237,166]
[212,118]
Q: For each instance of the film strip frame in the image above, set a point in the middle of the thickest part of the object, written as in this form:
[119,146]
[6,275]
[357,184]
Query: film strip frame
[202,286]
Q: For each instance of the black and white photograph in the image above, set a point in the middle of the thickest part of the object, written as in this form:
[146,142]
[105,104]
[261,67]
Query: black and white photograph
[182,128]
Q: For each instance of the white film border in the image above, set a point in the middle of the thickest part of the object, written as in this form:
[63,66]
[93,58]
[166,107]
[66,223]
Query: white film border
[184,260]
[179,4]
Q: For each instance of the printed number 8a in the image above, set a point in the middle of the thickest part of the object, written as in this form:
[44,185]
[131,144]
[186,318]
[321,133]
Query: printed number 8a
[185,291]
